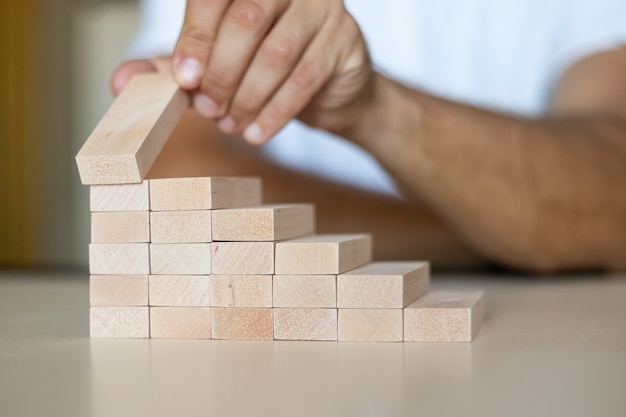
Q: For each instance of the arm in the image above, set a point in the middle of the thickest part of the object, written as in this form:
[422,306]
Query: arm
[537,194]
[540,194]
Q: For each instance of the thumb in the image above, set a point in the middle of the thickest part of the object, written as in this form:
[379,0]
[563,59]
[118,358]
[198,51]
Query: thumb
[123,74]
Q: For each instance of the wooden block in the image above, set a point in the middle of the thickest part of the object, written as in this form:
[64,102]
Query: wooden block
[444,316]
[305,324]
[202,193]
[180,290]
[119,259]
[126,142]
[383,285]
[180,258]
[124,197]
[242,323]
[323,254]
[120,227]
[192,226]
[118,290]
[241,291]
[370,325]
[264,223]
[242,258]
[180,322]
[132,322]
[302,291]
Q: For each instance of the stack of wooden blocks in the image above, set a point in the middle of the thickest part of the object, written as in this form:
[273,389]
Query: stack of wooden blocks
[204,258]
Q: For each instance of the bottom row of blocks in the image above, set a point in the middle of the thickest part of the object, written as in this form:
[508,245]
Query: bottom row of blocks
[435,317]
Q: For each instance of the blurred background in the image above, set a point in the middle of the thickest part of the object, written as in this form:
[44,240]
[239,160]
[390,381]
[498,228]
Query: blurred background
[57,57]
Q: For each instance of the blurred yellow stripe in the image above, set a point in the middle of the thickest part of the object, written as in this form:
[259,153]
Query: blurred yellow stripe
[18,125]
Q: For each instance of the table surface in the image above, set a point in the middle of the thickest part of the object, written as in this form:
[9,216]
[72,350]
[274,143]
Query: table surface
[548,347]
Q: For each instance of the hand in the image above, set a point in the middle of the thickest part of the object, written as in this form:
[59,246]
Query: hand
[256,64]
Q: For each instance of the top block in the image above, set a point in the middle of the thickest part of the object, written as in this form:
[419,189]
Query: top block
[204,193]
[130,136]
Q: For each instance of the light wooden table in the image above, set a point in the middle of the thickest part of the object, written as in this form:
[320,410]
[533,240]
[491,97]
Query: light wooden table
[551,347]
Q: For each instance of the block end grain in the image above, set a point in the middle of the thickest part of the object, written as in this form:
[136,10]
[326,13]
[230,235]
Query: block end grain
[242,258]
[242,323]
[241,291]
[110,169]
[119,259]
[118,290]
[305,324]
[119,322]
[370,325]
[204,193]
[180,322]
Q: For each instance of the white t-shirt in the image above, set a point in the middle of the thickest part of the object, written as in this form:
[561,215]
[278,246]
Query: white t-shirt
[504,55]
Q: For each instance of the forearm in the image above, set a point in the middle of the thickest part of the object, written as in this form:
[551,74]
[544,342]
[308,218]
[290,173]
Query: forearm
[540,194]
[400,230]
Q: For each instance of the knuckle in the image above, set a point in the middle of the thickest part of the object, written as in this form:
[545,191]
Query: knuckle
[279,51]
[278,110]
[244,109]
[347,20]
[219,82]
[348,26]
[304,75]
[249,14]
[350,29]
[198,35]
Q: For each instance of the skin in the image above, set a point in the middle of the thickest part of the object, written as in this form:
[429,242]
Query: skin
[540,194]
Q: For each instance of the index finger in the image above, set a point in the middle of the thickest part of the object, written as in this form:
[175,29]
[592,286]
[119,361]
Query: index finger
[196,40]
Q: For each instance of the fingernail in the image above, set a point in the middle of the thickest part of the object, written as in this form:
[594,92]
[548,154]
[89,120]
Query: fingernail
[205,106]
[227,125]
[188,72]
[253,134]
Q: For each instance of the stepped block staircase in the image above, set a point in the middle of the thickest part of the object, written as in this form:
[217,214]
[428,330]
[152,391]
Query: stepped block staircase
[204,258]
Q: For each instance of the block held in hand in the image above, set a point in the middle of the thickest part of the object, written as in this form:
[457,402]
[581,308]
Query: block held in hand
[130,136]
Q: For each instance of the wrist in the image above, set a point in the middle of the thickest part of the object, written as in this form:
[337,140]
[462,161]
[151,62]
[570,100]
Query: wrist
[362,119]
[385,111]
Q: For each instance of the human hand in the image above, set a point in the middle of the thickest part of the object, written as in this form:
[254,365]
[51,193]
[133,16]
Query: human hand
[256,64]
